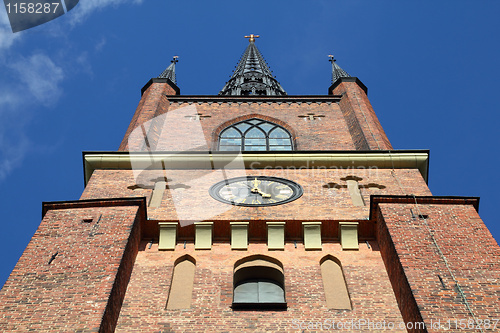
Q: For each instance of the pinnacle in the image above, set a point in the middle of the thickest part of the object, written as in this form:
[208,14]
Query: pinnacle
[169,73]
[337,72]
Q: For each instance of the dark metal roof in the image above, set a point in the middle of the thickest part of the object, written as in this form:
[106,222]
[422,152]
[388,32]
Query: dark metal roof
[252,76]
[169,73]
[337,72]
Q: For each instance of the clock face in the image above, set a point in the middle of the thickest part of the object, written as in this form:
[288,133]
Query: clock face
[256,191]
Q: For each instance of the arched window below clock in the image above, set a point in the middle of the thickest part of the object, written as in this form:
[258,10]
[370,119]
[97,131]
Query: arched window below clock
[255,135]
[259,284]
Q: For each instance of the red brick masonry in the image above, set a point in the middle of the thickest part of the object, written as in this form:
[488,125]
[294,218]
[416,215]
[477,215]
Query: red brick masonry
[429,257]
[74,272]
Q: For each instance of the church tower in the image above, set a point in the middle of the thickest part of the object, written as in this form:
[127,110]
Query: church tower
[255,210]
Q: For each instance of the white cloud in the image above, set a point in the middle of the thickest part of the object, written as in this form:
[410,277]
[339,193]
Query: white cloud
[41,75]
[8,100]
[83,64]
[87,7]
[99,46]
[6,36]
[12,150]
[78,14]
[14,143]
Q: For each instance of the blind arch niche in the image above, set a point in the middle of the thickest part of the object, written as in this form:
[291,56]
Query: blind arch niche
[336,293]
[181,287]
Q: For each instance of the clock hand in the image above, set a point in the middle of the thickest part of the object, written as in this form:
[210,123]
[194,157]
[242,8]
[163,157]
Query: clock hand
[256,189]
[255,184]
[253,189]
[264,195]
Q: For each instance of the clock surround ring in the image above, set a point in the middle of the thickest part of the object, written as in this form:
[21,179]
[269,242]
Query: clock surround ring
[295,188]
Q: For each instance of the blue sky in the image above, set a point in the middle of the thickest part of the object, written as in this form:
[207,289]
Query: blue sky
[72,85]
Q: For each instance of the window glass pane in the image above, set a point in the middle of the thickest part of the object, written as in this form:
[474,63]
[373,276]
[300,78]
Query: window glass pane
[259,291]
[267,127]
[279,142]
[236,141]
[246,292]
[280,147]
[270,292]
[230,133]
[255,142]
[259,133]
[242,127]
[259,148]
[279,133]
[229,148]
[255,133]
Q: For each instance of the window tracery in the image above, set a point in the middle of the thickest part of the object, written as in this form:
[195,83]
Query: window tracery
[255,135]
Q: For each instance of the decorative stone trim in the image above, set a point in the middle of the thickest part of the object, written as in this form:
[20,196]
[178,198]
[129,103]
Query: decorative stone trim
[203,235]
[168,235]
[299,99]
[157,195]
[276,235]
[402,159]
[312,235]
[349,235]
[354,192]
[239,235]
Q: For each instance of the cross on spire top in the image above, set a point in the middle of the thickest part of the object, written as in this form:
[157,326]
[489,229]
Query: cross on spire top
[169,73]
[337,72]
[252,37]
[252,76]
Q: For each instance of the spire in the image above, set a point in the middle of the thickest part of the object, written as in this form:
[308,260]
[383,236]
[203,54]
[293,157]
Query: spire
[252,76]
[169,73]
[337,72]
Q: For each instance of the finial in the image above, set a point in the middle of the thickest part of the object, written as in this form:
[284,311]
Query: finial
[169,73]
[252,37]
[337,72]
[252,65]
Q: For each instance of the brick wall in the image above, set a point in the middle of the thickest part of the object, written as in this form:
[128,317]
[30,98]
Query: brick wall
[152,100]
[347,122]
[180,132]
[144,306]
[364,126]
[92,246]
[415,264]
[191,188]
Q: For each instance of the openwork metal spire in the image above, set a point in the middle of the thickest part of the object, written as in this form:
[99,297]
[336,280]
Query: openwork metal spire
[337,72]
[252,76]
[169,73]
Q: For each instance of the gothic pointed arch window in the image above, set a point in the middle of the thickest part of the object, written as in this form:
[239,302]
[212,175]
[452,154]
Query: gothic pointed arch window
[255,135]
